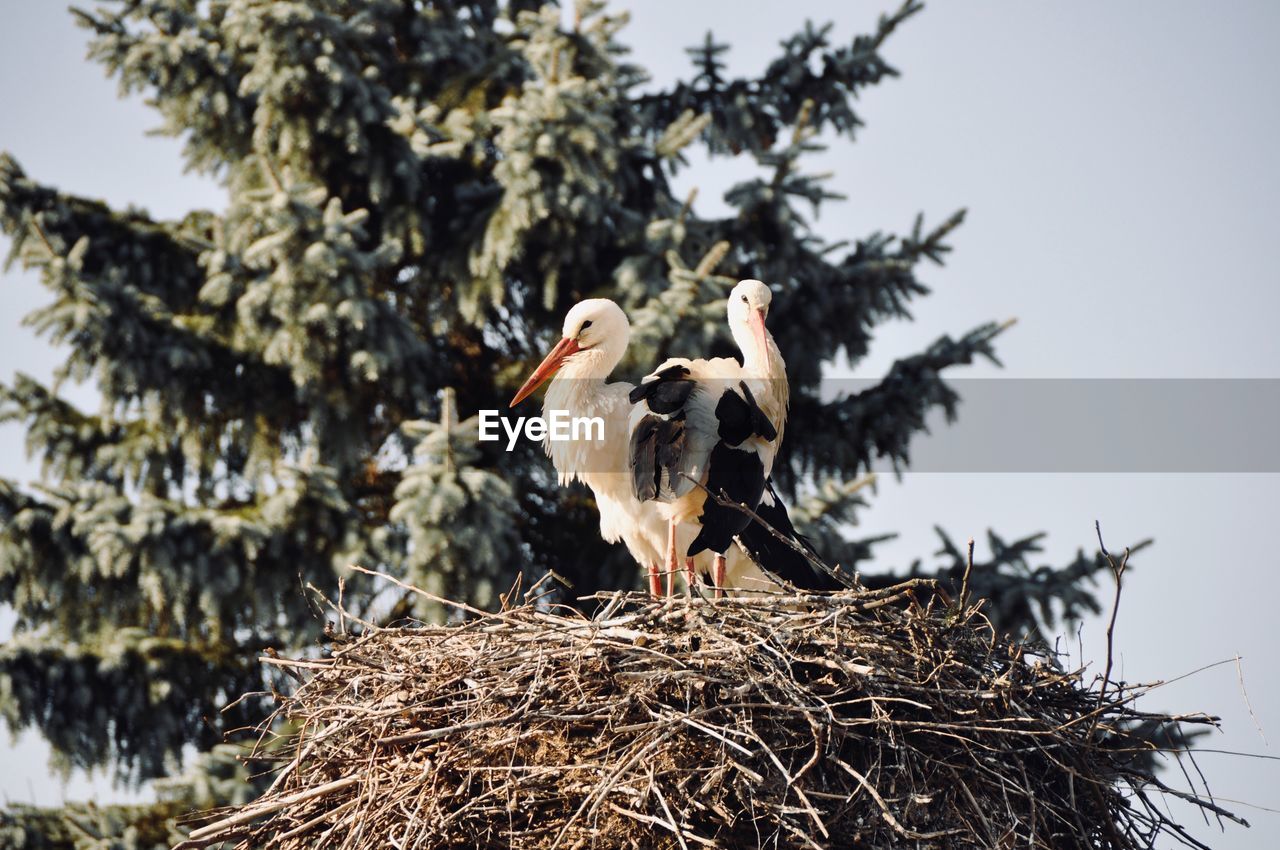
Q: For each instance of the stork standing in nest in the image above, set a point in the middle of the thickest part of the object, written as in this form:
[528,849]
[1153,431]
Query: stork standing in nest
[702,426]
[593,340]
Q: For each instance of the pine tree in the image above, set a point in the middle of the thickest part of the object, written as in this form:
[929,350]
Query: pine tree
[416,192]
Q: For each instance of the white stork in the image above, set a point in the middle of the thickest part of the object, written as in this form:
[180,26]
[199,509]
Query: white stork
[593,340]
[714,423]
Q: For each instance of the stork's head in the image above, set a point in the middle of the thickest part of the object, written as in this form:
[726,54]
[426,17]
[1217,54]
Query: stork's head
[748,306]
[593,339]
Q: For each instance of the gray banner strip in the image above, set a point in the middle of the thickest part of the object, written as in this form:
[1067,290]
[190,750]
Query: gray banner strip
[1063,425]
[1114,425]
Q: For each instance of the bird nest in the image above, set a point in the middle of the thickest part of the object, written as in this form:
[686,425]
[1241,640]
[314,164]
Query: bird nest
[854,719]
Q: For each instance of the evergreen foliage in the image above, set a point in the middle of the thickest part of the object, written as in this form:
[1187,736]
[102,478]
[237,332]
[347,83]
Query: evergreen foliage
[216,778]
[416,192]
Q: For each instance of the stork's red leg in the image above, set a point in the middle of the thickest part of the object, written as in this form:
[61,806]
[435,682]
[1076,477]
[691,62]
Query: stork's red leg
[717,575]
[655,583]
[672,562]
[689,578]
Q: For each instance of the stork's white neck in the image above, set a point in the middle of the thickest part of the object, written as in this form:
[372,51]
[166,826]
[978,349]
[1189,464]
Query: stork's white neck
[579,390]
[767,366]
[766,363]
[575,387]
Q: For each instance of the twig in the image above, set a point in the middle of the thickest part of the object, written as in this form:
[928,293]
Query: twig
[255,811]
[1117,569]
[964,582]
[1247,704]
[449,603]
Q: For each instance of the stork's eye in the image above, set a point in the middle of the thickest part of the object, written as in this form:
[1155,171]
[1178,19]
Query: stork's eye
[744,299]
[585,325]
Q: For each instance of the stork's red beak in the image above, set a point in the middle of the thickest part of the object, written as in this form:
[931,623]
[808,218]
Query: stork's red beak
[546,369]
[756,320]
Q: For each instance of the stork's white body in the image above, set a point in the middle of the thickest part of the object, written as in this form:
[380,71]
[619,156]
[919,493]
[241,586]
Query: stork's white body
[602,464]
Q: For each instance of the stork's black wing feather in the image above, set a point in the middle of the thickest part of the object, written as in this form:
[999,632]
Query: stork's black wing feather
[656,446]
[737,474]
[666,391]
[658,440]
[643,453]
[777,558]
[740,418]
[733,473]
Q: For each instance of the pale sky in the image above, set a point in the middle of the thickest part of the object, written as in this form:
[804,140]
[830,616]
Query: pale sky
[1118,164]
